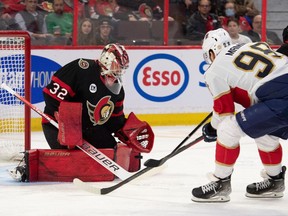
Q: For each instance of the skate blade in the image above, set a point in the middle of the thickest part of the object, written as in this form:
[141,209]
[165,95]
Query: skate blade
[14,174]
[215,199]
[266,195]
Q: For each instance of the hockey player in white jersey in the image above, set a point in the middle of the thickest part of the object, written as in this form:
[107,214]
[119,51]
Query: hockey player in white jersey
[256,77]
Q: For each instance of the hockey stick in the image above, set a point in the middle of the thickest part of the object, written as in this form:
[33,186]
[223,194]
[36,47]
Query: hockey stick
[103,191]
[156,163]
[86,147]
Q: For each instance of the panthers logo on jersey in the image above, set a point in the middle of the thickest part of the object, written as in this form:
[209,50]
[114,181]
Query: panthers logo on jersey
[101,112]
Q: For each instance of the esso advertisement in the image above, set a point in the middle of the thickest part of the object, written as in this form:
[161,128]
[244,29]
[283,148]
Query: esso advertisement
[161,77]
[157,81]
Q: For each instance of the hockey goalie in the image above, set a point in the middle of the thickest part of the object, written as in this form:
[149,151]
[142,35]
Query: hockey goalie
[85,97]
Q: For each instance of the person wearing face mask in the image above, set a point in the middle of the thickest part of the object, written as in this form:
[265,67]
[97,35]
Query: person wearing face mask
[230,12]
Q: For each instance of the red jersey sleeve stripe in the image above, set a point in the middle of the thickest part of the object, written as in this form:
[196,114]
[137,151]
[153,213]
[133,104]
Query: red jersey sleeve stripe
[119,103]
[45,90]
[117,114]
[64,85]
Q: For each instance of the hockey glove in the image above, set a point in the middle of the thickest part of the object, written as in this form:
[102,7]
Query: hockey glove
[137,134]
[209,133]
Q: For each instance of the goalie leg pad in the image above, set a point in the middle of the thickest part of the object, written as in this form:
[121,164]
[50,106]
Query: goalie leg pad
[135,161]
[123,155]
[65,165]
[128,158]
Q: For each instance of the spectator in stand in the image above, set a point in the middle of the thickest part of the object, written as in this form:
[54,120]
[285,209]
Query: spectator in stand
[218,7]
[285,35]
[201,21]
[7,21]
[86,33]
[12,6]
[247,9]
[32,20]
[230,12]
[104,35]
[255,34]
[59,23]
[284,47]
[233,29]
[101,8]
[142,10]
[181,10]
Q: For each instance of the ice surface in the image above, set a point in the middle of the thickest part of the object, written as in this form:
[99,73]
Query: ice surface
[167,193]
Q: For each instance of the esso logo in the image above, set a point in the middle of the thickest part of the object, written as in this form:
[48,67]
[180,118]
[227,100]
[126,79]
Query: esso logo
[160,77]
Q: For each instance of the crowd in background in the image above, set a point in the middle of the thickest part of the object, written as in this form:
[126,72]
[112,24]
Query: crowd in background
[51,22]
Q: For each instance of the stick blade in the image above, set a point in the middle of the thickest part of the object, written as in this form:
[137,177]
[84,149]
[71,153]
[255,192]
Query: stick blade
[102,191]
[87,187]
[153,163]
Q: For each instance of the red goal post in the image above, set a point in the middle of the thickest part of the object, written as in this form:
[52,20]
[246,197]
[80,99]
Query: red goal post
[15,117]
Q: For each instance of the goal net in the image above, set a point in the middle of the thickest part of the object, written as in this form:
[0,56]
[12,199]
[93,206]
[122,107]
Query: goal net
[14,115]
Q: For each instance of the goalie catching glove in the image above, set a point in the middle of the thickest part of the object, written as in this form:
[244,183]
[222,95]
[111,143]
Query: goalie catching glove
[137,134]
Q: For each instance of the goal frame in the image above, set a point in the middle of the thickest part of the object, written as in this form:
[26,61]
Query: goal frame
[27,81]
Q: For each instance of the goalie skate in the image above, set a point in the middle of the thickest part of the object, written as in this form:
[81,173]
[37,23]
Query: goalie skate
[218,190]
[270,187]
[19,173]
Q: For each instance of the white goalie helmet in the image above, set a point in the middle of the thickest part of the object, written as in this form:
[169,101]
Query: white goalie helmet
[114,61]
[215,41]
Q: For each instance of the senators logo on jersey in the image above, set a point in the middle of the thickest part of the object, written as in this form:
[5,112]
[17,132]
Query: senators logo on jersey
[101,112]
[83,64]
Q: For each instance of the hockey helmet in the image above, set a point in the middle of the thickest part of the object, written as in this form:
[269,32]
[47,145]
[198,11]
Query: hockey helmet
[114,61]
[215,41]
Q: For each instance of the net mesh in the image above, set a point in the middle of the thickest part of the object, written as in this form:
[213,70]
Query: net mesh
[12,72]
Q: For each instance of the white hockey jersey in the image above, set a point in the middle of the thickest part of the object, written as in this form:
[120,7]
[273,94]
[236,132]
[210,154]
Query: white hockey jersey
[237,72]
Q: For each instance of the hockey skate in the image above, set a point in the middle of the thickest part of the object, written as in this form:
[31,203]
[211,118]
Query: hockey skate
[218,190]
[19,173]
[270,187]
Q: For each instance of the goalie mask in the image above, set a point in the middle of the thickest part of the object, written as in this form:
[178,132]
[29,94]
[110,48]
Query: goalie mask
[114,61]
[215,41]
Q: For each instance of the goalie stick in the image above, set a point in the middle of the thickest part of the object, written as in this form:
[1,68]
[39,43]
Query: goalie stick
[86,147]
[106,190]
[156,163]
